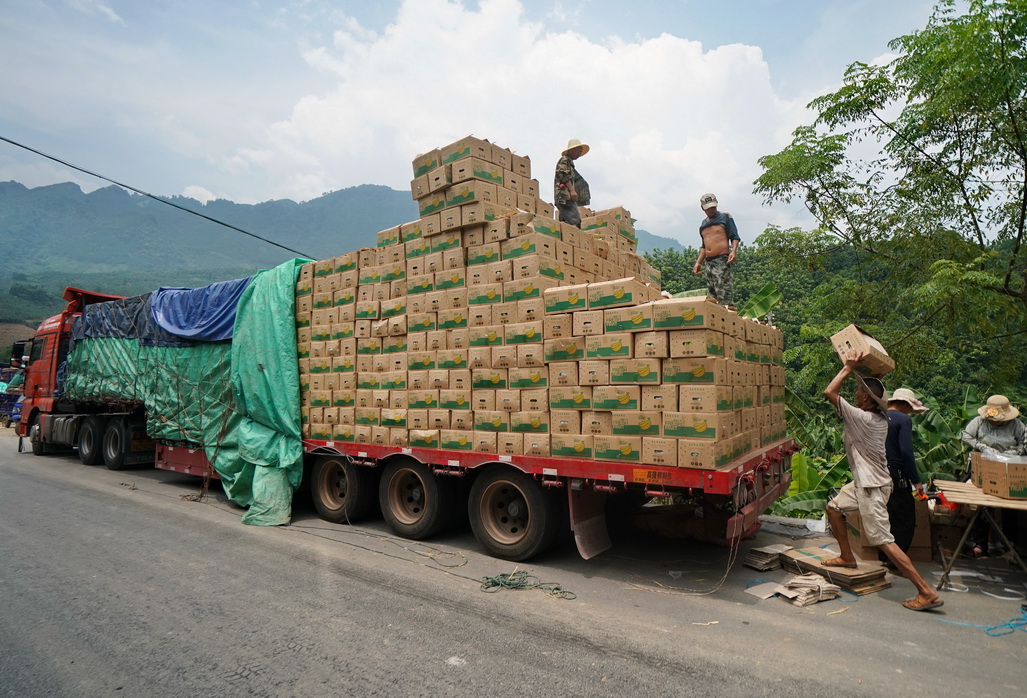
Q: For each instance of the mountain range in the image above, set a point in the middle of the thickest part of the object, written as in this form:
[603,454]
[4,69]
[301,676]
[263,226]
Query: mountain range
[122,242]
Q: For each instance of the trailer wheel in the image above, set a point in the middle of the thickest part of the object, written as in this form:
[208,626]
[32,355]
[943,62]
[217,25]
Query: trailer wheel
[36,438]
[342,492]
[414,502]
[5,421]
[512,515]
[90,441]
[115,444]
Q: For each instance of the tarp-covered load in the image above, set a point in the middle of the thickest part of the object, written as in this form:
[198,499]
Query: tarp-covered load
[214,366]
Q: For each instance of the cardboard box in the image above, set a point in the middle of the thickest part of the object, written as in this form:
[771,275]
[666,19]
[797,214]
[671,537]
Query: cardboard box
[564,422]
[565,299]
[635,371]
[453,440]
[491,420]
[588,322]
[1005,478]
[571,445]
[536,444]
[651,345]
[876,360]
[528,378]
[618,448]
[509,444]
[617,293]
[570,398]
[689,343]
[529,422]
[705,370]
[699,425]
[535,400]
[617,345]
[558,326]
[703,455]
[637,424]
[660,398]
[596,423]
[637,318]
[566,349]
[616,397]
[563,373]
[531,355]
[705,398]
[687,313]
[659,451]
[593,373]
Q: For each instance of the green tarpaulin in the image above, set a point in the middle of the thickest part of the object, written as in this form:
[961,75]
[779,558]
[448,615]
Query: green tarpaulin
[239,399]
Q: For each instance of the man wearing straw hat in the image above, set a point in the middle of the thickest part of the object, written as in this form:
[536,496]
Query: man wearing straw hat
[902,467]
[569,188]
[866,430]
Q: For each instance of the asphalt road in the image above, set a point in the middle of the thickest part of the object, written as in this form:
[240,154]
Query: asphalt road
[112,584]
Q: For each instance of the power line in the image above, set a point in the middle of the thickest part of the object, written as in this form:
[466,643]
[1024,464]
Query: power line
[155,198]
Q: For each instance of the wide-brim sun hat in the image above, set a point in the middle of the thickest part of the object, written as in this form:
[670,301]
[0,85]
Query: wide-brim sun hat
[907,396]
[575,144]
[998,409]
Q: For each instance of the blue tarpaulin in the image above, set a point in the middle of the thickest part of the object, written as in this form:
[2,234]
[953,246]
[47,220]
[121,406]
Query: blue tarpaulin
[204,314]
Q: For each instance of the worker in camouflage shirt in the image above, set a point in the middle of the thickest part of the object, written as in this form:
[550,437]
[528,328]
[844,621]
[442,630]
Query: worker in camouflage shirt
[720,243]
[569,188]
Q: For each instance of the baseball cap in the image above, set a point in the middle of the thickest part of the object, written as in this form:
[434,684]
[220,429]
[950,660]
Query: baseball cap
[707,200]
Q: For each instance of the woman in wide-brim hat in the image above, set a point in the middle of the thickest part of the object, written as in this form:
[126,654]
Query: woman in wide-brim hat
[570,189]
[996,430]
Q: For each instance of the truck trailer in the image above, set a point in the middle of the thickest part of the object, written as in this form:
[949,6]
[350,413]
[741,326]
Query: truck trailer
[485,359]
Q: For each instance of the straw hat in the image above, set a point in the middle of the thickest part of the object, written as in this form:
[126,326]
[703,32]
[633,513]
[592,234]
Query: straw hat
[906,395]
[998,409]
[575,144]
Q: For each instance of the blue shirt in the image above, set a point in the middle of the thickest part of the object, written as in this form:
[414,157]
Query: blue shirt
[724,219]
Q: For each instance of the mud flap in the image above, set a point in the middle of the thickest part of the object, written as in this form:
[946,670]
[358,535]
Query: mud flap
[588,521]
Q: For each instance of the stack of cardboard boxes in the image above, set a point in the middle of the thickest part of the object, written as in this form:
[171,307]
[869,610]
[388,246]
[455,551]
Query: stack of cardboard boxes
[488,326]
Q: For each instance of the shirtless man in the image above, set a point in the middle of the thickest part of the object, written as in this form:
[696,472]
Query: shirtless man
[720,242]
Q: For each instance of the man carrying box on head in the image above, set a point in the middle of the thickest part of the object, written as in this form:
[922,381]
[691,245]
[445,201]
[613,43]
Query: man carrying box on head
[720,243]
[866,430]
[570,188]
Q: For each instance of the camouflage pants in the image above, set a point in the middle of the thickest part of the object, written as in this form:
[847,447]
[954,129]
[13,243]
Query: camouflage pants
[720,282]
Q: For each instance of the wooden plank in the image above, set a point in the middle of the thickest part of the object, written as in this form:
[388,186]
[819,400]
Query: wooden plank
[968,493]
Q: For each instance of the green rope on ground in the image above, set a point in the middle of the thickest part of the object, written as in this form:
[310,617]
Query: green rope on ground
[519,581]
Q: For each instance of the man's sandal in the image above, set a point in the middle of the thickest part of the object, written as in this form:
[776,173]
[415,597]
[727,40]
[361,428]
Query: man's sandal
[919,604]
[838,562]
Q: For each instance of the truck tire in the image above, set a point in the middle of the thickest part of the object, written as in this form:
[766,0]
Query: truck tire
[36,438]
[90,441]
[342,492]
[414,502]
[512,515]
[115,444]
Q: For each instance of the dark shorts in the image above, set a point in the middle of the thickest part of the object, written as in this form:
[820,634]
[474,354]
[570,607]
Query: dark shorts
[569,214]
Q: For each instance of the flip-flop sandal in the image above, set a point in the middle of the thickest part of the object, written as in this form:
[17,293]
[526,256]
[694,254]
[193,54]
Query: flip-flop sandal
[914,605]
[838,562]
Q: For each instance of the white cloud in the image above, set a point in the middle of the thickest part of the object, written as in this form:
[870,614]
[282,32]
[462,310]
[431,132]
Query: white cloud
[201,194]
[666,119]
[95,7]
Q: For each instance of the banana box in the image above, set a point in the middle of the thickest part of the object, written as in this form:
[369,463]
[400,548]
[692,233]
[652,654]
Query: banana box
[347,415]
[451,358]
[453,440]
[744,396]
[588,322]
[529,422]
[489,379]
[594,372]
[484,254]
[504,313]
[422,399]
[637,424]
[420,284]
[703,342]
[342,364]
[660,398]
[571,445]
[344,432]
[570,398]
[394,418]
[536,444]
[565,299]
[659,451]
[704,454]
[531,311]
[390,236]
[426,162]
[320,432]
[530,266]
[635,371]
[485,294]
[688,313]
[368,416]
[524,289]
[480,315]
[454,399]
[504,357]
[696,370]
[563,373]
[479,357]
[564,422]
[616,397]
[509,444]
[558,326]
[535,400]
[329,415]
[596,423]
[564,349]
[344,397]
[452,319]
[618,448]
[422,360]
[651,345]
[440,419]
[638,318]
[471,191]
[392,308]
[508,400]
[462,420]
[618,293]
[617,345]
[362,434]
[423,438]
[459,379]
[535,377]
[484,442]
[706,398]
[523,333]
[535,244]
[531,355]
[489,336]
[450,278]
[699,425]
[414,230]
[394,344]
[343,330]
[491,420]
[483,400]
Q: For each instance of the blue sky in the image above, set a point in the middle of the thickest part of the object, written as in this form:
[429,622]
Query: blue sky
[260,100]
